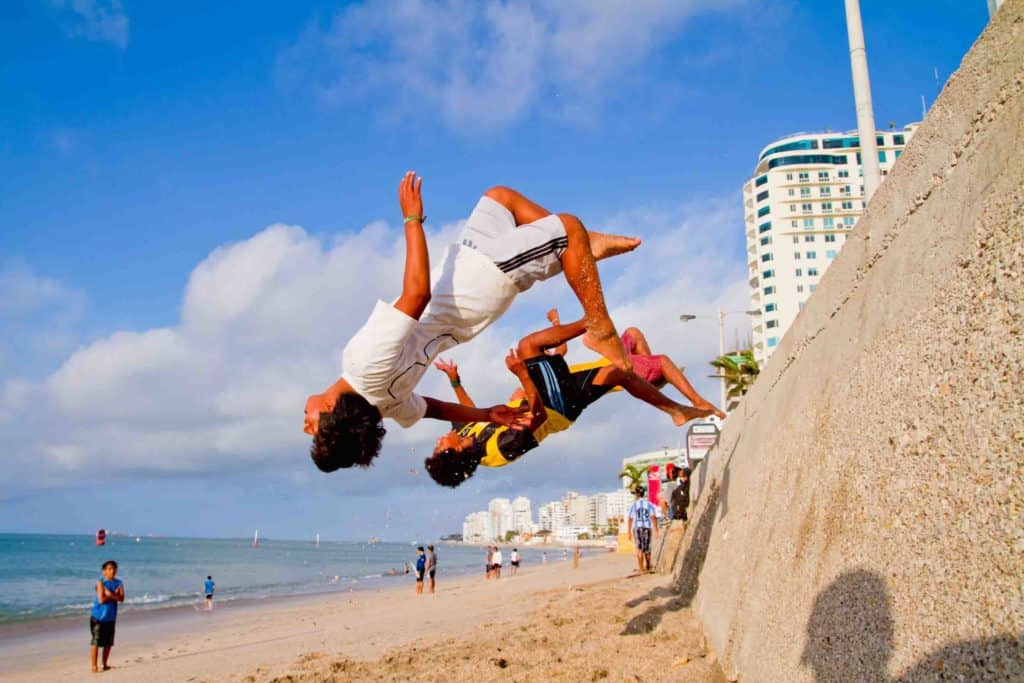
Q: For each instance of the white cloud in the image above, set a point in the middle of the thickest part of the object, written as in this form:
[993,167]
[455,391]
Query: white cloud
[98,20]
[262,325]
[483,65]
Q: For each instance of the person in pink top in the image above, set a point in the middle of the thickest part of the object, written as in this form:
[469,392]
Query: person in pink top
[658,369]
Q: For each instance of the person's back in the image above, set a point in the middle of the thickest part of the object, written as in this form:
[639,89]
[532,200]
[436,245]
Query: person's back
[208,586]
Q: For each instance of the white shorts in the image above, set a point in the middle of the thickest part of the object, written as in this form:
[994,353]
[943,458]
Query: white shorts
[526,253]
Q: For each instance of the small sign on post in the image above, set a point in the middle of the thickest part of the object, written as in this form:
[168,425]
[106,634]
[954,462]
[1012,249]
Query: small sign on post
[701,437]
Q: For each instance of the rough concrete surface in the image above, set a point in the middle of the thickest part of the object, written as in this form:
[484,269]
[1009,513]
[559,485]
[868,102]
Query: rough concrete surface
[861,518]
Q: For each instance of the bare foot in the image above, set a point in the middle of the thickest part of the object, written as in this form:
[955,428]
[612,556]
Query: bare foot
[714,411]
[603,246]
[609,345]
[553,317]
[683,414]
[95,670]
[107,668]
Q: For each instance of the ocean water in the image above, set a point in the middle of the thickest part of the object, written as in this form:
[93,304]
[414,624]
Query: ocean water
[54,575]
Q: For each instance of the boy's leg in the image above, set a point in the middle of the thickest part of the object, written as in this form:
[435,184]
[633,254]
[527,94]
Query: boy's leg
[581,272]
[106,656]
[533,345]
[677,379]
[642,389]
[93,657]
[640,345]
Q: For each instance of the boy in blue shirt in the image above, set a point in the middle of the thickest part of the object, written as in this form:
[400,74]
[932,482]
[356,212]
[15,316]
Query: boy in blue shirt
[208,587]
[421,565]
[109,592]
[642,515]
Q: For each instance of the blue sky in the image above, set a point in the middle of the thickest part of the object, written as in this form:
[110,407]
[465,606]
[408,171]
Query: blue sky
[182,190]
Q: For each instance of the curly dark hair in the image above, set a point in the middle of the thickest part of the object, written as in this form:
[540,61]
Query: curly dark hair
[451,467]
[349,435]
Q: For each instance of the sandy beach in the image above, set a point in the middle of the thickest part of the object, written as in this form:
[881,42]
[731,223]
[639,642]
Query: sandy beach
[550,621]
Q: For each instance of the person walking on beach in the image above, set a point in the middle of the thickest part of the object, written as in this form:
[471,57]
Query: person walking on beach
[680,499]
[496,562]
[421,565]
[208,586]
[514,559]
[508,244]
[103,617]
[643,516]
[489,567]
[431,565]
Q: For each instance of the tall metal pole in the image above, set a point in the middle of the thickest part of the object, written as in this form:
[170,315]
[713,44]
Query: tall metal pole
[721,352]
[862,96]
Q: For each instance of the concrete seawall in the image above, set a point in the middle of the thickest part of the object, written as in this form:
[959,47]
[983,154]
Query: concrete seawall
[863,515]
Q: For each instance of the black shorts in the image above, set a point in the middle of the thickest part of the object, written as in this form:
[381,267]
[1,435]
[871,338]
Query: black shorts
[432,572]
[515,564]
[209,596]
[102,632]
[561,390]
[642,536]
[419,576]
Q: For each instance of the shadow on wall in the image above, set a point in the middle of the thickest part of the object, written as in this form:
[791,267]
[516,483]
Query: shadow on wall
[850,638]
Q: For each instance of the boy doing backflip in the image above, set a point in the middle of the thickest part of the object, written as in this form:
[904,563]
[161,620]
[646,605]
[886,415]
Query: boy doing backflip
[507,245]
[555,396]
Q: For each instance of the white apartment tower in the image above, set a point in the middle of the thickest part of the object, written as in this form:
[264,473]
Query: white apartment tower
[805,197]
[522,515]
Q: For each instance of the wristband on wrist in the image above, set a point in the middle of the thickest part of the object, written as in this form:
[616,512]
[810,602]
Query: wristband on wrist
[419,219]
[456,383]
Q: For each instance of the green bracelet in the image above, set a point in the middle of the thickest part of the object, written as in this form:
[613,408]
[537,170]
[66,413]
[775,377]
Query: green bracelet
[456,383]
[419,219]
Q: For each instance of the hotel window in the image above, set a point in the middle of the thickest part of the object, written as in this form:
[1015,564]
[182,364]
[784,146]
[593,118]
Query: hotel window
[768,240]
[826,207]
[805,192]
[772,341]
[844,173]
[806,208]
[764,211]
[830,254]
[764,227]
[791,192]
[812,254]
[804,177]
[796,239]
[829,223]
[789,176]
[898,153]
[792,207]
[830,238]
[796,255]
[898,140]
[825,192]
[814,287]
[808,238]
[772,324]
[792,223]
[800,305]
[761,196]
[812,272]
[799,289]
[768,291]
[849,220]
[799,272]
[761,181]
[847,206]
[808,223]
[765,258]
[765,274]
[823,176]
[770,307]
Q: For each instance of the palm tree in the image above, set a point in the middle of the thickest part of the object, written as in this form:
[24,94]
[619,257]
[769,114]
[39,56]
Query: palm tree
[739,370]
[636,476]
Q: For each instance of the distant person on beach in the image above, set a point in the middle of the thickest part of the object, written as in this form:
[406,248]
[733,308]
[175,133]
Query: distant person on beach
[514,560]
[508,244]
[496,562]
[103,617]
[544,557]
[643,516]
[431,565]
[576,557]
[208,587]
[489,571]
[406,567]
[555,397]
[421,565]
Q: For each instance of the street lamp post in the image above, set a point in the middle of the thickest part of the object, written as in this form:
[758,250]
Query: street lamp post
[686,317]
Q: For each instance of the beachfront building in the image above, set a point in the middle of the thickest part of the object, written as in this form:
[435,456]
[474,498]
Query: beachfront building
[597,511]
[660,457]
[805,196]
[577,508]
[522,515]
[618,503]
[552,516]
[500,510]
[478,527]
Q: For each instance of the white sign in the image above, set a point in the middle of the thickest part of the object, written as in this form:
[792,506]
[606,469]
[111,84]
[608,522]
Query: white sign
[701,437]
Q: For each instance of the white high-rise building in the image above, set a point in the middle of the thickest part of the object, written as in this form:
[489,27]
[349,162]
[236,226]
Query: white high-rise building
[577,507]
[553,516]
[618,503]
[478,528]
[522,515]
[500,510]
[598,511]
[805,197]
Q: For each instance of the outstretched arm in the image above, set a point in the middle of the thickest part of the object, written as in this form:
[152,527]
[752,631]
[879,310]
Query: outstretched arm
[452,370]
[536,406]
[515,418]
[416,280]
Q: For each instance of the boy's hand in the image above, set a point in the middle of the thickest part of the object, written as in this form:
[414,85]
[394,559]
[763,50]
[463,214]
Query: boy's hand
[447,367]
[514,363]
[409,195]
[514,418]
